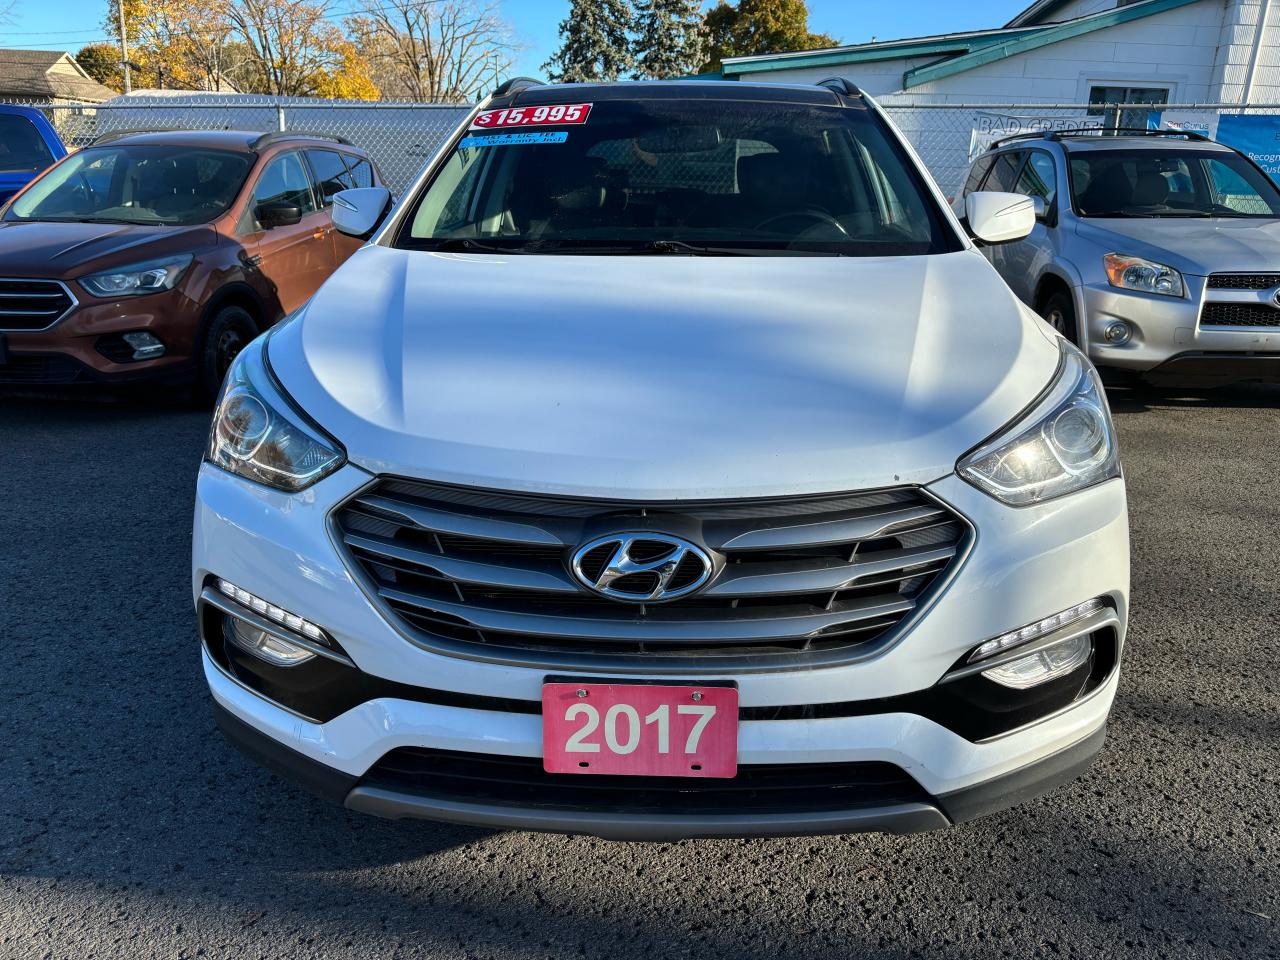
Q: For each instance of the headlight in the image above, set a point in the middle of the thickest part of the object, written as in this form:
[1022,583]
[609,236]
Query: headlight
[1064,444]
[139,278]
[258,434]
[1134,273]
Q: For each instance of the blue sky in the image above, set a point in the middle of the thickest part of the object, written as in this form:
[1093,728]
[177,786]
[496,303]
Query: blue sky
[69,24]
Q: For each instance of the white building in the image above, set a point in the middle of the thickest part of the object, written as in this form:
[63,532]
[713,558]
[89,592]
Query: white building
[1054,52]
[1066,51]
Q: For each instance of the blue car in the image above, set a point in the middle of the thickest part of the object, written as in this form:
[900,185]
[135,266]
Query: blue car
[28,145]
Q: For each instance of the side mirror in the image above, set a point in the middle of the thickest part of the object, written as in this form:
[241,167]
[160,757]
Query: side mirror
[278,214]
[1041,210]
[358,212]
[1000,217]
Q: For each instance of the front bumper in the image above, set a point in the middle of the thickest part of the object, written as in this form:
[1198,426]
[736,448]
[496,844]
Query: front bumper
[1169,343]
[900,818]
[1023,564]
[79,347]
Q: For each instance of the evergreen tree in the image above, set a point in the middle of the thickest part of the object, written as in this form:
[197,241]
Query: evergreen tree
[596,42]
[670,38]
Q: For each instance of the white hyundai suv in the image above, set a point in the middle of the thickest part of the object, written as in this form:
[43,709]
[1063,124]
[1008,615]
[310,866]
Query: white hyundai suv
[670,463]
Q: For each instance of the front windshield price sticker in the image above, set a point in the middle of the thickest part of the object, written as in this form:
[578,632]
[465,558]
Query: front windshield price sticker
[558,115]
[513,139]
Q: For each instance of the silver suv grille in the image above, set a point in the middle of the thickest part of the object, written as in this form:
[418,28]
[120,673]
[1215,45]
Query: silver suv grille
[1244,281]
[485,574]
[33,304]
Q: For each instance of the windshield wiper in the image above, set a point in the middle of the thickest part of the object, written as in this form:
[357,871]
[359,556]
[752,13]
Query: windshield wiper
[468,245]
[693,249]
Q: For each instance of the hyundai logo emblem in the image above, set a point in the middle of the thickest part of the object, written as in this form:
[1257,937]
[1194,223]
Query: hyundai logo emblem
[642,567]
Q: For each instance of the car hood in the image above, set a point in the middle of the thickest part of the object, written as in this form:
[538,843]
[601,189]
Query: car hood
[1191,246]
[663,377]
[64,250]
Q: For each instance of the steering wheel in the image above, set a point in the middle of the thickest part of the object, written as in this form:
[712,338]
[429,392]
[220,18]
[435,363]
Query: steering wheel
[813,215]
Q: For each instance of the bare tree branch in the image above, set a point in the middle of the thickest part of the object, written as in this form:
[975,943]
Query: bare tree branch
[444,50]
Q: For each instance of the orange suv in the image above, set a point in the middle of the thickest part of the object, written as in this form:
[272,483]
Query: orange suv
[158,256]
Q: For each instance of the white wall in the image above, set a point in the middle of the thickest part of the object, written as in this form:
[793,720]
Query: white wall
[1248,71]
[1175,49]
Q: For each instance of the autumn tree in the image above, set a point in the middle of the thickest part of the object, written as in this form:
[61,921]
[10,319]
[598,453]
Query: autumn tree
[670,38]
[439,50]
[293,45]
[102,62]
[760,26]
[177,44]
[595,42]
[283,47]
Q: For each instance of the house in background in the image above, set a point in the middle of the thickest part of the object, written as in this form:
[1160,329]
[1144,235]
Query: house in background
[1054,52]
[48,76]
[1065,51]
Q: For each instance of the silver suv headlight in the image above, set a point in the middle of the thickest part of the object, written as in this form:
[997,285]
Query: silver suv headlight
[258,434]
[1147,276]
[1064,443]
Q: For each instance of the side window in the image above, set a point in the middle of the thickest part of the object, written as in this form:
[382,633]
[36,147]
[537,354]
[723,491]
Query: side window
[1233,191]
[1039,178]
[360,171]
[981,167]
[21,146]
[1004,174]
[285,180]
[331,173]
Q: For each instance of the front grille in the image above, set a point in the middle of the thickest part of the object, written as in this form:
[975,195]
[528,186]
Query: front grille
[39,369]
[1244,281]
[758,788]
[486,574]
[32,304]
[1239,315]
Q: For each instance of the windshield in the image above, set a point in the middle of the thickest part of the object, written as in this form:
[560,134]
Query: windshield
[686,176]
[1170,183]
[136,184]
[22,149]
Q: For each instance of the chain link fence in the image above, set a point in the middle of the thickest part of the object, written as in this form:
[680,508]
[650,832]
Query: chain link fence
[402,136]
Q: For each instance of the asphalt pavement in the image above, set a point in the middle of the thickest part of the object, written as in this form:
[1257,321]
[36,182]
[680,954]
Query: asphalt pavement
[130,829]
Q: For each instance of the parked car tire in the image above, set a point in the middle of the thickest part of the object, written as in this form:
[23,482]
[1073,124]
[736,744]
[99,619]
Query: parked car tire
[1059,311]
[227,334]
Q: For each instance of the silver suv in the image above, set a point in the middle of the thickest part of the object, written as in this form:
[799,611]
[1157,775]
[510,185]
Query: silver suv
[1157,252]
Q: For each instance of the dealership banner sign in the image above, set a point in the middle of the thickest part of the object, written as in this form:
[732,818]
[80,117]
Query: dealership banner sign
[1256,136]
[990,127]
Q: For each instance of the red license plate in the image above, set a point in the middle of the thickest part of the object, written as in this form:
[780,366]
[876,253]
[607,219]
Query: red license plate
[640,729]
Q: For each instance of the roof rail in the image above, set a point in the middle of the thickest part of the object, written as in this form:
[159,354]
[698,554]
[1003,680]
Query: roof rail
[117,134]
[1099,132]
[842,86]
[515,85]
[277,135]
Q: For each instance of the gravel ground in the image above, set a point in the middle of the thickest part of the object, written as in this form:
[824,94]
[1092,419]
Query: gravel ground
[129,828]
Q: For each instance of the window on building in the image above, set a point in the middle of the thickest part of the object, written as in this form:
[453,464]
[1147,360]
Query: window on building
[1133,119]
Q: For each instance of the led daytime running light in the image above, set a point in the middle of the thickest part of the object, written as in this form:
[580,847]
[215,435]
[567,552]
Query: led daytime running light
[279,615]
[1035,630]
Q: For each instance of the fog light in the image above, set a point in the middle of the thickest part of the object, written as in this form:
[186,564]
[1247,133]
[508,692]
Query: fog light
[1118,332]
[146,346]
[1038,629]
[1049,663]
[269,610]
[263,645]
